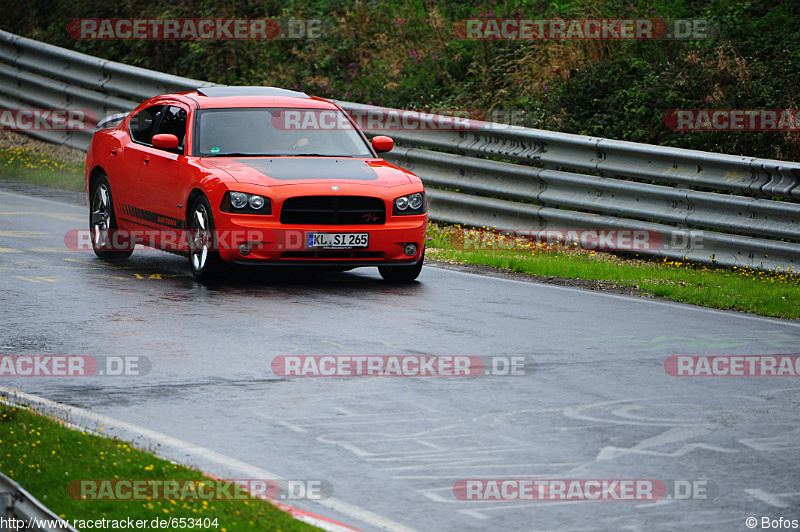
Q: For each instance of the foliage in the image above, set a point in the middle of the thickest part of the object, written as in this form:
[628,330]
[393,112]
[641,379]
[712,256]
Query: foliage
[407,54]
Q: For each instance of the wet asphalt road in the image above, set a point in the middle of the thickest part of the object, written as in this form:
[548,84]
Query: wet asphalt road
[596,402]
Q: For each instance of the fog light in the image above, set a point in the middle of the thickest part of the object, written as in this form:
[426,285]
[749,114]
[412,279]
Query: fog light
[244,248]
[410,249]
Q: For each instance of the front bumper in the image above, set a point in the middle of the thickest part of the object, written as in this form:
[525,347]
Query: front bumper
[247,239]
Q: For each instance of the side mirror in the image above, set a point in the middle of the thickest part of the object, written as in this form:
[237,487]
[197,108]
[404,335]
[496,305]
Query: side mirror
[382,143]
[165,141]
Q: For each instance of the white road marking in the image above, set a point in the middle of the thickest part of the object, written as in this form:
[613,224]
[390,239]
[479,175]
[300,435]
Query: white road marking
[773,499]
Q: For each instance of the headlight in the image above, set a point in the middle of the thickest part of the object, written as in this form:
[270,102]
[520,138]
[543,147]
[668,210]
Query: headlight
[256,202]
[238,200]
[241,203]
[410,204]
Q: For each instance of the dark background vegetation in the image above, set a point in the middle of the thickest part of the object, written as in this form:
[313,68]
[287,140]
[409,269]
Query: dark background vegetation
[405,54]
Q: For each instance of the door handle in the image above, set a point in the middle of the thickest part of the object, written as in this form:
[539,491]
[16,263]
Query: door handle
[146,160]
[113,152]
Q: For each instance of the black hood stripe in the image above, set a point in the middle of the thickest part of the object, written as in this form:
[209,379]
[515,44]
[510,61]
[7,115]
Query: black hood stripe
[292,169]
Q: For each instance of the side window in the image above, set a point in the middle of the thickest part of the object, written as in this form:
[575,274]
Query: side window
[174,122]
[142,126]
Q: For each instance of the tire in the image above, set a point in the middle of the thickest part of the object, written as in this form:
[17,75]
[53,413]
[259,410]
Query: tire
[402,274]
[207,266]
[108,242]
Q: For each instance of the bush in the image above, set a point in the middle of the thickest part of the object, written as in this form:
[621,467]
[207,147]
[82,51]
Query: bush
[407,55]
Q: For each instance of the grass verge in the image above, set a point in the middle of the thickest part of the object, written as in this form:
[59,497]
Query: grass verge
[773,294]
[28,166]
[44,455]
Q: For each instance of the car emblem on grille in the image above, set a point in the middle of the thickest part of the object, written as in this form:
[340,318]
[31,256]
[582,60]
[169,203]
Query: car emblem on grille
[334,188]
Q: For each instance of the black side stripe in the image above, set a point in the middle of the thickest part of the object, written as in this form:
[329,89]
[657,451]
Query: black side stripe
[153,217]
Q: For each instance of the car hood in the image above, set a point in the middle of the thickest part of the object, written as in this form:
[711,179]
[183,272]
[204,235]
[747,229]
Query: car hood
[272,171]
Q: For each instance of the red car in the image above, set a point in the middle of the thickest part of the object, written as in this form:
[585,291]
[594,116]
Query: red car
[253,175]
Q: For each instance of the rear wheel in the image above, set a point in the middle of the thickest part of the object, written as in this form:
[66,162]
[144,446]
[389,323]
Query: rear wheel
[207,266]
[402,274]
[108,242]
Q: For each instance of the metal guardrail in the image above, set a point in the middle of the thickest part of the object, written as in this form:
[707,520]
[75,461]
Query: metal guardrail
[17,504]
[41,75]
[710,208]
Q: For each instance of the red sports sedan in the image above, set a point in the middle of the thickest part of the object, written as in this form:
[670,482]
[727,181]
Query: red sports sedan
[252,175]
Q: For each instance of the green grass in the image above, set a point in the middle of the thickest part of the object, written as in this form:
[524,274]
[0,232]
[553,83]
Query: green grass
[772,294]
[44,455]
[22,164]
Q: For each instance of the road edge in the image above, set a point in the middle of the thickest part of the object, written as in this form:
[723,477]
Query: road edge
[170,448]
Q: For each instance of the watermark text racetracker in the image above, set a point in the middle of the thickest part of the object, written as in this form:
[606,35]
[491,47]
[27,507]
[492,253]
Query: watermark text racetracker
[687,120]
[47,119]
[73,366]
[125,523]
[183,29]
[540,489]
[398,119]
[207,489]
[612,29]
[633,240]
[733,366]
[399,366]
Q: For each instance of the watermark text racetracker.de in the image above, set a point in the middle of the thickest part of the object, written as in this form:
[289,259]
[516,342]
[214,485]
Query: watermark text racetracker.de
[122,239]
[206,489]
[399,366]
[633,240]
[741,120]
[73,366]
[183,29]
[611,29]
[733,366]
[47,119]
[377,119]
[126,523]
[540,489]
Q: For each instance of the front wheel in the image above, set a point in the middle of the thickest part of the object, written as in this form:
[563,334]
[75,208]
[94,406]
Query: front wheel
[207,266]
[108,242]
[402,274]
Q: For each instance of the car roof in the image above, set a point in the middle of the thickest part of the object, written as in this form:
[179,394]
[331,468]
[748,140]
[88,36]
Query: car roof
[222,96]
[221,91]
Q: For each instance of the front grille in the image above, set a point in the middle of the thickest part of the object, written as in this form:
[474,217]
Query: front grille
[332,254]
[333,210]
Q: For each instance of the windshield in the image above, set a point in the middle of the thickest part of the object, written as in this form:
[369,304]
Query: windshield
[278,132]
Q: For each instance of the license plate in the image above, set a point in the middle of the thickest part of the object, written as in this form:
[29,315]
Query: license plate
[337,240]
